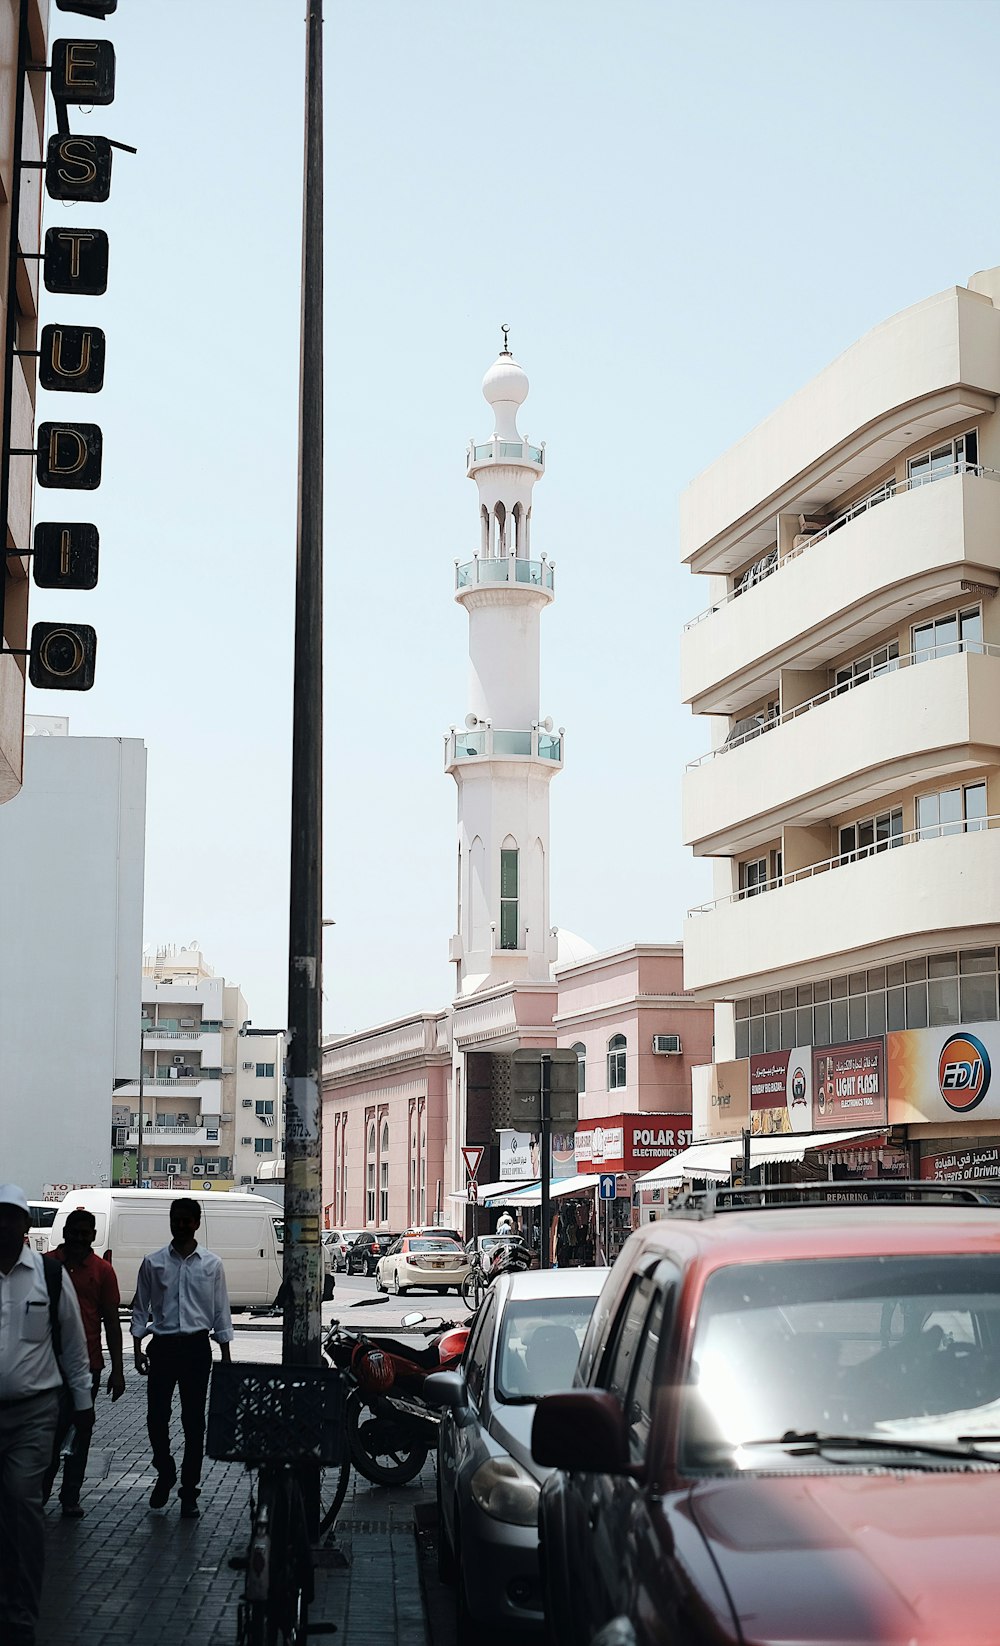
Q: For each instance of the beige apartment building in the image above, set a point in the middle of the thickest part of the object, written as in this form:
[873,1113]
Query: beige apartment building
[20,215]
[849,671]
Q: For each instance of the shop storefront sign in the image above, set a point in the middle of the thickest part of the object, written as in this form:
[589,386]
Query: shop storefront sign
[963,1165]
[720,1099]
[630,1142]
[944,1074]
[849,1086]
[781,1092]
[520,1155]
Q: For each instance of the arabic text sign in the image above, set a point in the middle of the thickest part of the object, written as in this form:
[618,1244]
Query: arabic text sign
[963,1165]
[849,1087]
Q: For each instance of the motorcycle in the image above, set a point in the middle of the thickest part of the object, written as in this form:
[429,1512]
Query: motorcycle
[390,1428]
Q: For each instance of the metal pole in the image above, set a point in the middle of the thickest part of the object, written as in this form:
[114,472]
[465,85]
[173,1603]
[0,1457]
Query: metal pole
[302,1289]
[546,1159]
[142,1103]
[10,318]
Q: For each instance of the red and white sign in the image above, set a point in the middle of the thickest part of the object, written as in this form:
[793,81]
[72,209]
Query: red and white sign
[630,1142]
[472,1156]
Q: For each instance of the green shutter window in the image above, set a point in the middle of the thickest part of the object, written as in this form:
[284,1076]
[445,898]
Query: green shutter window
[508,898]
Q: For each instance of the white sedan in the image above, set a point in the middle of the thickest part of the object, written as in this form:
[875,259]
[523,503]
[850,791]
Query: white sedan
[431,1261]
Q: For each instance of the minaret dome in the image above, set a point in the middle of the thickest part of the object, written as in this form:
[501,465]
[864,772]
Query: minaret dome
[505,388]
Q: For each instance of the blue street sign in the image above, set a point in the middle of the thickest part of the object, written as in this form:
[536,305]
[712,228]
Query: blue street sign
[608,1189]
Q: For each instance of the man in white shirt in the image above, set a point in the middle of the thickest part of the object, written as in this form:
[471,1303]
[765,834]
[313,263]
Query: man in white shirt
[181,1298]
[32,1367]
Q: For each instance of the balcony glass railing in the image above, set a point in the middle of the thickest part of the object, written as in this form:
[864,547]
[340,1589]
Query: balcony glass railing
[500,451]
[767,723]
[539,574]
[523,745]
[936,831]
[771,564]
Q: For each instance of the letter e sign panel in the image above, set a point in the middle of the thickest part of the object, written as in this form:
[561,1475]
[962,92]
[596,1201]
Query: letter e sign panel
[89,8]
[78,168]
[63,656]
[70,455]
[71,359]
[83,72]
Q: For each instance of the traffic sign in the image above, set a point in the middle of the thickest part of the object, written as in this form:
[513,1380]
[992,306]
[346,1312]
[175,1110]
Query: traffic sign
[472,1189]
[472,1155]
[608,1187]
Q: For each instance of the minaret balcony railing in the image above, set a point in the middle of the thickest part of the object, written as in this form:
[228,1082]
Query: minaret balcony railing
[489,744]
[538,574]
[505,451]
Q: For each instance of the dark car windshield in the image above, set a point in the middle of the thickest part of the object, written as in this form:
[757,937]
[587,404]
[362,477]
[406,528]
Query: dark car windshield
[903,1348]
[538,1345]
[424,1244]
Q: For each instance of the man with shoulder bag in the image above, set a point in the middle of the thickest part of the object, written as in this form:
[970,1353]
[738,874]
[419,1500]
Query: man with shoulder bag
[42,1344]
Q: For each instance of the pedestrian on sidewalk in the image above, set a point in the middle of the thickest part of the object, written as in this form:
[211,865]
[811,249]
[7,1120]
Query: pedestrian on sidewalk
[181,1298]
[96,1286]
[42,1344]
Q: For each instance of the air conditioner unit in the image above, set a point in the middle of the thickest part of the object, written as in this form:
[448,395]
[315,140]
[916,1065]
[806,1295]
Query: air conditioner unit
[246,1139]
[664,1043]
[180,1058]
[186,1022]
[196,1171]
[212,1168]
[248,1065]
[173,1166]
[247,1103]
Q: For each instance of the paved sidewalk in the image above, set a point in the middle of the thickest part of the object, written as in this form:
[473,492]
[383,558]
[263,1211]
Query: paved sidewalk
[127,1574]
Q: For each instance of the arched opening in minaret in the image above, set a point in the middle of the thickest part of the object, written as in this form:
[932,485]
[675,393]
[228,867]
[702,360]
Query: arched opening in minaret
[509,894]
[517,545]
[484,535]
[500,515]
[527,534]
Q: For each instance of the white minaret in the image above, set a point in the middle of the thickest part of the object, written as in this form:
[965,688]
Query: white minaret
[505,757]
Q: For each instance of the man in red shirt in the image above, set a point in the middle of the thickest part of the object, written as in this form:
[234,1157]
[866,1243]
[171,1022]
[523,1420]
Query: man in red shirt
[96,1287]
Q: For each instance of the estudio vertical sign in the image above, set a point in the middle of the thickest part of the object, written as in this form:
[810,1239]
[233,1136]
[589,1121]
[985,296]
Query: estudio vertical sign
[68,453]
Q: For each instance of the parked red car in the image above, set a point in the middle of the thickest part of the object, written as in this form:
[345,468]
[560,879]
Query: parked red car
[785,1427]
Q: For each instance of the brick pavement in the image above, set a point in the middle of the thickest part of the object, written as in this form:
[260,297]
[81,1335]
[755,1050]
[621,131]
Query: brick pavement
[127,1574]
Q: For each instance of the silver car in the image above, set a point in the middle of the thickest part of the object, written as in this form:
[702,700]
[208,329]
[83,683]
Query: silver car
[524,1344]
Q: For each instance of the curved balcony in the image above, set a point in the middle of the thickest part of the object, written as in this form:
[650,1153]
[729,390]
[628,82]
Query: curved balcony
[923,545]
[916,374]
[504,451]
[466,747]
[484,571]
[850,912]
[848,746]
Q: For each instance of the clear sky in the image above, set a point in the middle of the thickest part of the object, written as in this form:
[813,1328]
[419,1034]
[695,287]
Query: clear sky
[682,212]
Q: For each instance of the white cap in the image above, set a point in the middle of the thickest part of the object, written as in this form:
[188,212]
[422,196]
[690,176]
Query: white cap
[11,1195]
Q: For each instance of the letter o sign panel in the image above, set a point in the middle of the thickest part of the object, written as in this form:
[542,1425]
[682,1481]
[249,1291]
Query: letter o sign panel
[63,656]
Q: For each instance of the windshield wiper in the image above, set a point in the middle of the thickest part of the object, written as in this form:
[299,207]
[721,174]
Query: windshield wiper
[817,1440]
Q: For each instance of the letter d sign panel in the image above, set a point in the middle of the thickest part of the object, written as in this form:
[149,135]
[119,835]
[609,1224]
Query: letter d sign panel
[63,656]
[70,454]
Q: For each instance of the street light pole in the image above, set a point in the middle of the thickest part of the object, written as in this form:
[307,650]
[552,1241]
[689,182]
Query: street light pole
[142,1104]
[302,1288]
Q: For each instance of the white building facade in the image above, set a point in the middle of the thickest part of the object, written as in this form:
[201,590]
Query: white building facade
[72,845]
[849,667]
[211,1093]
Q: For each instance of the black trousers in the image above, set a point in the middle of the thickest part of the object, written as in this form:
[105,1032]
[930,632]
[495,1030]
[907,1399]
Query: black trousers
[75,1466]
[181,1362]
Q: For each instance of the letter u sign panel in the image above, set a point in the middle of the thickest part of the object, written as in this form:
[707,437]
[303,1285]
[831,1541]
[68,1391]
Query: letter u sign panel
[70,454]
[71,359]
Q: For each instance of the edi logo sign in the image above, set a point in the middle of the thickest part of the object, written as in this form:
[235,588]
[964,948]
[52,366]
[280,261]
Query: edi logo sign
[963,1072]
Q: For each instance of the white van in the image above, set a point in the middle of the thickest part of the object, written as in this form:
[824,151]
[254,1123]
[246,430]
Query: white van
[245,1230]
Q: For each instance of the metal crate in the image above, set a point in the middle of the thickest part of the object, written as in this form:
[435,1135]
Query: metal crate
[275,1414]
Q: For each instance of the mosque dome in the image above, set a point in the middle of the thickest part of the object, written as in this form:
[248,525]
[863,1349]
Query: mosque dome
[571,950]
[506,382]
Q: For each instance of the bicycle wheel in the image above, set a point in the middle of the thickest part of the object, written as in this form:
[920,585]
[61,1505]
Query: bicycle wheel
[472,1289]
[332,1491]
[252,1623]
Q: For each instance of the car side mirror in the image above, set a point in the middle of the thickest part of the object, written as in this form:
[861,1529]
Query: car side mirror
[582,1431]
[445,1389]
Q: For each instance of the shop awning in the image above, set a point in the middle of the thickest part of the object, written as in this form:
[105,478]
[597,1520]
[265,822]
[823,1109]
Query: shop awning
[559,1187]
[714,1160]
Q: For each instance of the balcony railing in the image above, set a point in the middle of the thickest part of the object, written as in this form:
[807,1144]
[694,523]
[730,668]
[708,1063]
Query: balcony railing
[533,573]
[153,1033]
[519,745]
[180,1080]
[173,1134]
[767,723]
[506,451]
[931,831]
[771,563]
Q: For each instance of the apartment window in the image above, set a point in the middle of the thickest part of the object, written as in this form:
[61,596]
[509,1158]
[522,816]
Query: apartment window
[265,1105]
[944,636]
[753,877]
[508,897]
[952,811]
[869,667]
[581,1065]
[617,1071]
[871,834]
[370,1176]
[265,1071]
[263,1145]
[953,457]
[383,1185]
